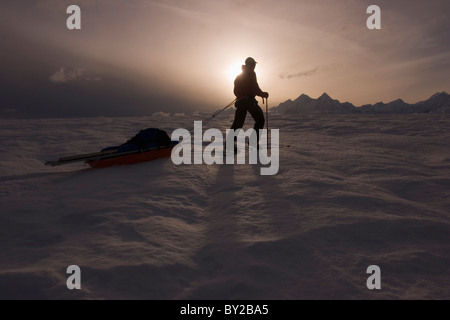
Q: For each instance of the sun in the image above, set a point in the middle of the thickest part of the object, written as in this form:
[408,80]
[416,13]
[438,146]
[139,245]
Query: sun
[233,70]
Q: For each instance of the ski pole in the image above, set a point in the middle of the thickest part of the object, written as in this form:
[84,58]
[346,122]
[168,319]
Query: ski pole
[267,114]
[267,122]
[218,112]
[215,114]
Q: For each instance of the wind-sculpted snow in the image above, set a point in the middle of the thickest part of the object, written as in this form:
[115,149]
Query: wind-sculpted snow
[351,191]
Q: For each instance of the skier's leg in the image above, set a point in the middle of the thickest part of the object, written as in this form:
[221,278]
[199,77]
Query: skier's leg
[258,115]
[239,118]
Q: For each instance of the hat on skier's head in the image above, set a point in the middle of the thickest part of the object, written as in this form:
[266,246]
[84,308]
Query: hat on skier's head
[250,61]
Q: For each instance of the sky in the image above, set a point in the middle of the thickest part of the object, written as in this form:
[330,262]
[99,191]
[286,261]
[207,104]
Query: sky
[138,57]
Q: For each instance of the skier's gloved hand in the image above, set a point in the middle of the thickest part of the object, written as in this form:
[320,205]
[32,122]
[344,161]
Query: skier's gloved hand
[265,95]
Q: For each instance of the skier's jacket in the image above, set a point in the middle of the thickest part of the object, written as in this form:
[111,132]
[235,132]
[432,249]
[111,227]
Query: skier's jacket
[246,84]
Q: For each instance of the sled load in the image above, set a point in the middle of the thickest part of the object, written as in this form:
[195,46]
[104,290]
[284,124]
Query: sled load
[147,145]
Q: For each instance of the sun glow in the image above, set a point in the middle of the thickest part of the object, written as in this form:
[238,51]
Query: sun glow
[233,70]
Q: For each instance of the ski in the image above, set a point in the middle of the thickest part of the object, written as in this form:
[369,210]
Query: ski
[80,157]
[101,155]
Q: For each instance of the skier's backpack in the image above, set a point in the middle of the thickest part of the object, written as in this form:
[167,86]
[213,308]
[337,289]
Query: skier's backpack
[145,139]
[152,136]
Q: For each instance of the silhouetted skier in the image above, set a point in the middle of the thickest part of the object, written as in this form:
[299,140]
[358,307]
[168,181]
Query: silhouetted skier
[245,89]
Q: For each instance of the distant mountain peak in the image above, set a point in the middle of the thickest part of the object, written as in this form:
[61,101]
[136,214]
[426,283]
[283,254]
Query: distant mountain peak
[439,94]
[438,103]
[304,96]
[325,96]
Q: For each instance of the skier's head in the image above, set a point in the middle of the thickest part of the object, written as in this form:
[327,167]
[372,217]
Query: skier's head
[250,63]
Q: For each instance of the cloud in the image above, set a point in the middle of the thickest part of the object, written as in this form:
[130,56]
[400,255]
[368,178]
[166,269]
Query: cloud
[299,74]
[9,110]
[64,75]
[161,114]
[180,114]
[93,78]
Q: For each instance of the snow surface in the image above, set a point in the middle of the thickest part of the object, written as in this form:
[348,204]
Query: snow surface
[352,191]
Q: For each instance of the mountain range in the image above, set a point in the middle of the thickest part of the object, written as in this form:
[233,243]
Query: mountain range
[438,103]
